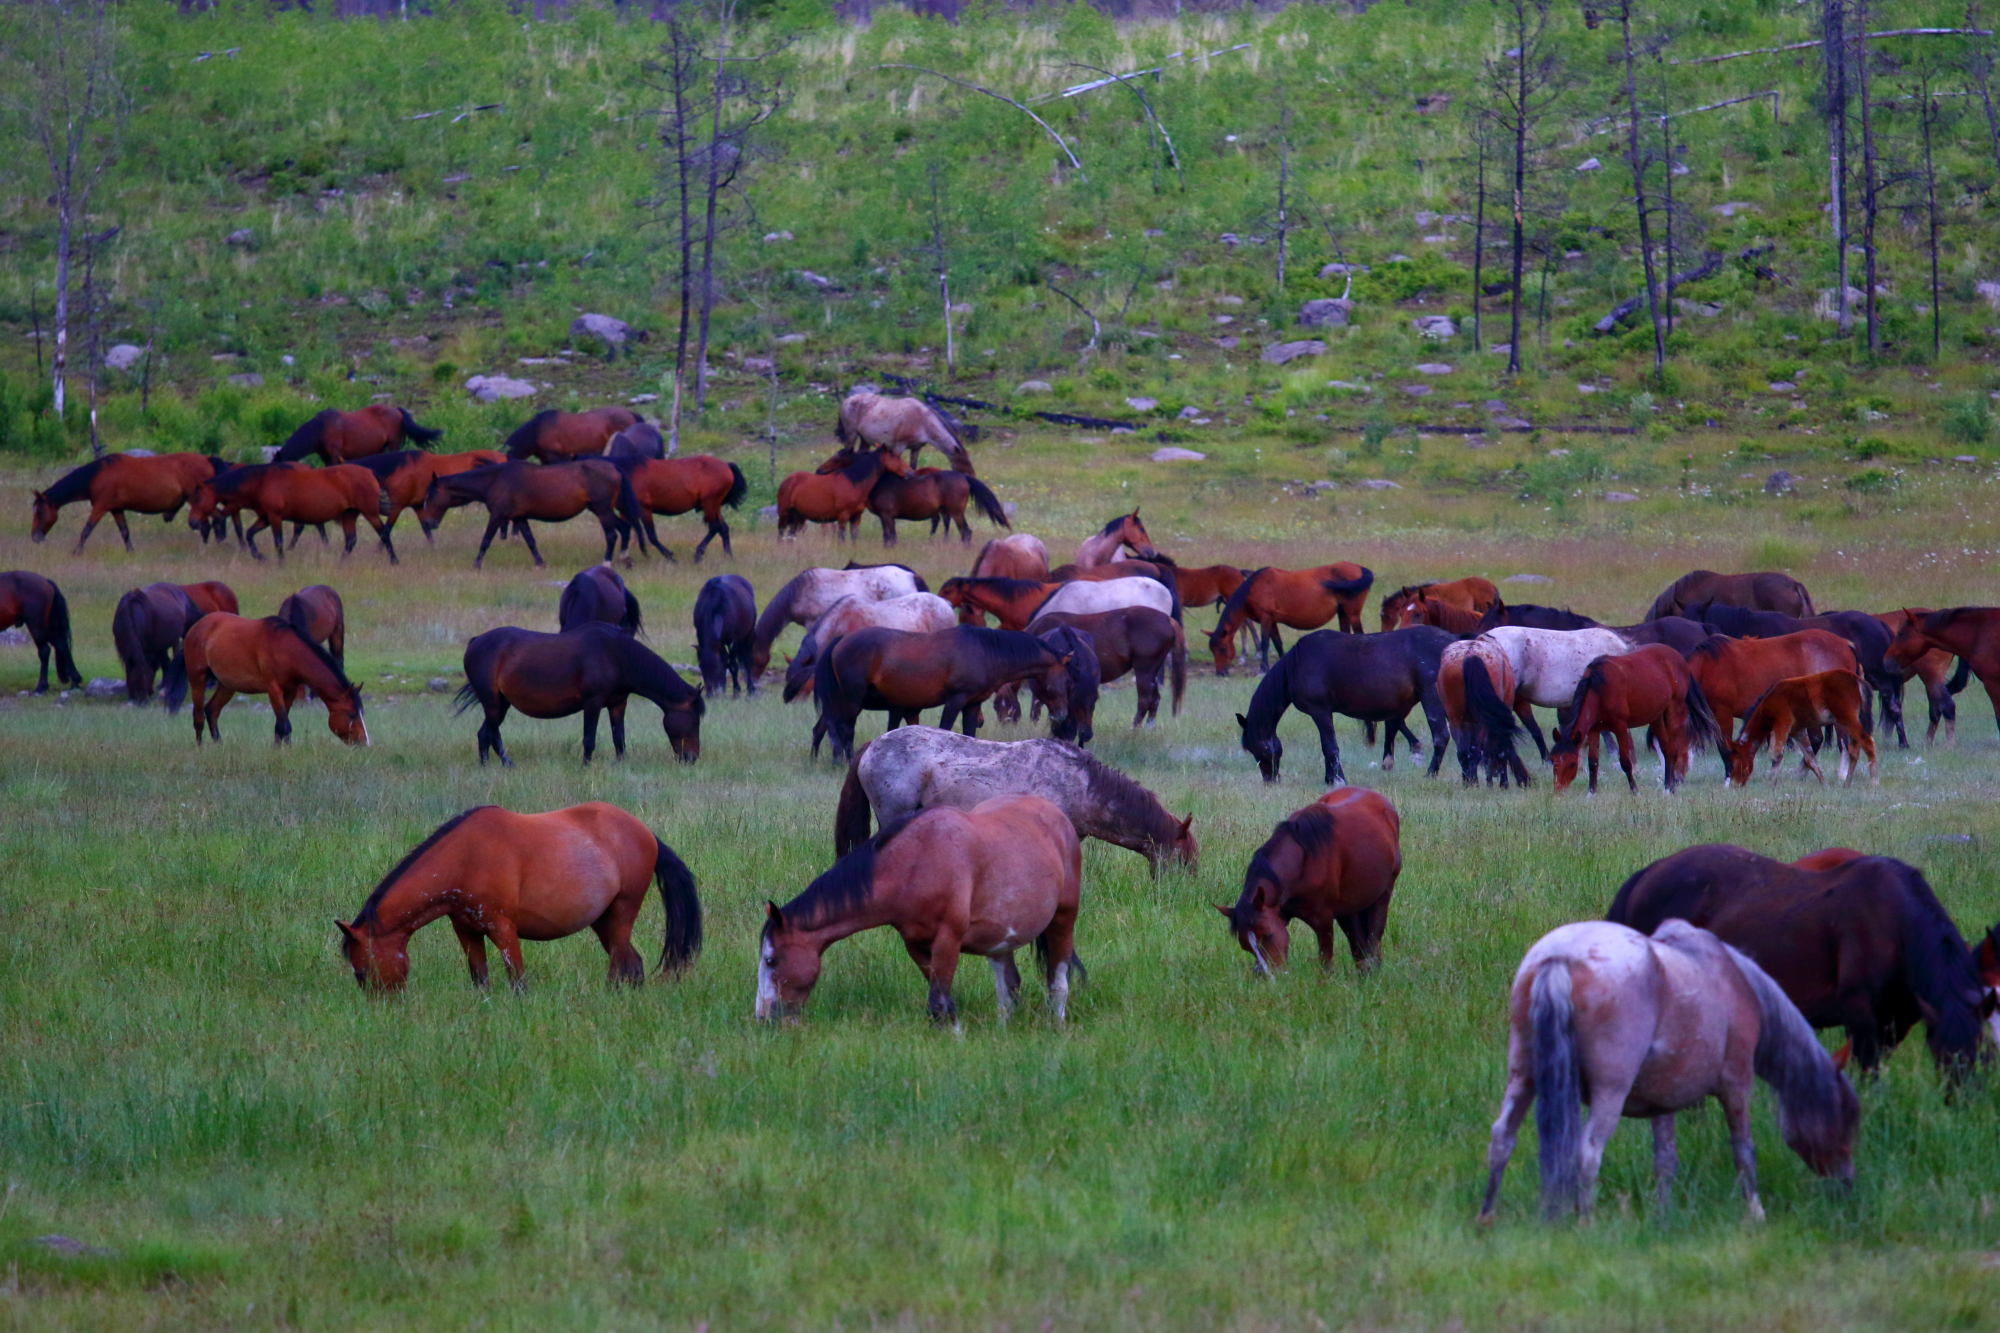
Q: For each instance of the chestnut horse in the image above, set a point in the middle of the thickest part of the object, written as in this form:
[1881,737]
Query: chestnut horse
[118,483]
[340,437]
[591,669]
[1479,691]
[839,498]
[1767,591]
[1933,666]
[1648,1027]
[934,495]
[405,476]
[1647,687]
[147,628]
[318,612]
[1126,531]
[1021,556]
[958,669]
[1297,598]
[983,881]
[1734,673]
[212,596]
[1787,710]
[505,877]
[1015,602]
[725,622]
[673,486]
[1428,610]
[1971,633]
[237,653]
[29,600]
[1470,593]
[558,437]
[901,425]
[513,493]
[278,492]
[1333,863]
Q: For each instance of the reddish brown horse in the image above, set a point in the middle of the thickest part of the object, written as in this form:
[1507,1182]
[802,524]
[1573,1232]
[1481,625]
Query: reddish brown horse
[904,672]
[1932,666]
[341,437]
[1734,673]
[499,876]
[1647,687]
[1333,863]
[557,437]
[673,486]
[1790,708]
[1766,591]
[211,596]
[1295,598]
[1207,585]
[118,483]
[282,492]
[31,601]
[839,498]
[514,493]
[1479,692]
[1970,633]
[934,495]
[1428,610]
[405,477]
[320,616]
[1021,556]
[271,656]
[1470,593]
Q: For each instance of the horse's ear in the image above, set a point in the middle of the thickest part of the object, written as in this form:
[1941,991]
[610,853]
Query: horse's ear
[773,915]
[1186,824]
[41,496]
[1242,721]
[1227,915]
[345,929]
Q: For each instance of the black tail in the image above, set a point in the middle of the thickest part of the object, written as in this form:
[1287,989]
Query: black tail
[1492,717]
[57,633]
[850,817]
[1958,678]
[1348,587]
[127,637]
[677,896]
[464,699]
[1558,1119]
[989,503]
[738,488]
[632,622]
[1177,667]
[635,514]
[174,688]
[1703,729]
[1078,973]
[421,434]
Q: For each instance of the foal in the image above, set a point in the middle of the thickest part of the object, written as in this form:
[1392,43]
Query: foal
[1831,698]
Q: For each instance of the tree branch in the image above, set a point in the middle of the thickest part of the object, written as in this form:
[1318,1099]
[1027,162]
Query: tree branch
[998,97]
[1801,46]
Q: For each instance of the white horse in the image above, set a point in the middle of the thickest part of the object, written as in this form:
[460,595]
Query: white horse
[904,425]
[1082,599]
[1548,663]
[807,597]
[925,612]
[1645,1027]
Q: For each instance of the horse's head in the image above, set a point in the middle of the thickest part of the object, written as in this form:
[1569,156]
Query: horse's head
[1987,958]
[1223,648]
[683,726]
[1562,755]
[1133,535]
[1259,926]
[798,673]
[1183,850]
[344,719]
[1908,643]
[1268,751]
[787,967]
[1823,1136]
[893,462]
[437,503]
[1739,759]
[1051,685]
[381,963]
[44,516]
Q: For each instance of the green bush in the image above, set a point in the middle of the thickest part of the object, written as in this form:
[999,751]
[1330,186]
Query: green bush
[1874,481]
[1968,420]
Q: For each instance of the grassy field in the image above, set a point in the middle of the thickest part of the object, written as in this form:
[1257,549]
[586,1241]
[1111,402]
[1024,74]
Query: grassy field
[193,1083]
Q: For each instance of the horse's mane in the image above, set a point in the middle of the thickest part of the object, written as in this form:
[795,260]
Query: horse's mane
[1311,829]
[864,462]
[387,465]
[325,658]
[846,885]
[1273,695]
[1813,1098]
[308,436]
[1592,679]
[1933,622]
[368,909]
[1236,601]
[1004,649]
[888,564]
[778,611]
[73,484]
[1109,528]
[1125,798]
[527,434]
[1712,647]
[1005,587]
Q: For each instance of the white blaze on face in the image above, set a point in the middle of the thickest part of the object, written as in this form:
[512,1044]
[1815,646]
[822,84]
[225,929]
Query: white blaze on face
[767,984]
[1993,1018]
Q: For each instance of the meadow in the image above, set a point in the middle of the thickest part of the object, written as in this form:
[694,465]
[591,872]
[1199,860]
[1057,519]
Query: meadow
[194,1086]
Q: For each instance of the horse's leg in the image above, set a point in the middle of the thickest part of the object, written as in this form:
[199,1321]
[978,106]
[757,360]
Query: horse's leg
[1902,737]
[489,733]
[1666,1161]
[474,944]
[250,539]
[1867,743]
[964,528]
[1374,921]
[611,539]
[614,931]
[281,709]
[1402,724]
[1148,686]
[888,529]
[1526,712]
[617,712]
[590,712]
[1006,983]
[1329,745]
[506,940]
[347,530]
[42,651]
[1514,1104]
[118,517]
[382,531]
[494,523]
[1607,1105]
[1625,758]
[1735,1101]
[96,517]
[942,967]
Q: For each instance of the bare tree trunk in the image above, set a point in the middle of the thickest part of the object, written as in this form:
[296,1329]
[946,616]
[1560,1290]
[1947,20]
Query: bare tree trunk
[1284,185]
[1928,115]
[1638,161]
[1833,20]
[679,69]
[940,256]
[1478,229]
[726,11]
[1667,217]
[59,357]
[35,317]
[1870,177]
[1521,101]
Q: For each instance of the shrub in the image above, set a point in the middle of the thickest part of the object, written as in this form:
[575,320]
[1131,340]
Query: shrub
[1874,481]
[1969,419]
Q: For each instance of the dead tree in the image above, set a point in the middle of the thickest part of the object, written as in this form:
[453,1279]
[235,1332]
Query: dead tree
[1833,33]
[1523,87]
[1871,179]
[1631,50]
[939,253]
[676,74]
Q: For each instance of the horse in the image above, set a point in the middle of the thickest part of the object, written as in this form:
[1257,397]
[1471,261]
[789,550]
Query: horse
[211,596]
[672,486]
[1766,591]
[725,621]
[1016,602]
[340,437]
[1103,546]
[1297,598]
[515,492]
[957,669]
[1021,556]
[983,881]
[1078,723]
[1427,610]
[1930,665]
[1548,663]
[1676,632]
[598,594]
[641,439]
[1862,945]
[1868,636]
[1646,1028]
[274,656]
[1734,673]
[933,495]
[1211,585]
[506,877]
[1526,615]
[839,498]
[29,600]
[147,627]
[1788,708]
[1376,678]
[558,437]
[1470,593]
[916,768]
[281,492]
[1132,638]
[320,616]
[812,591]
[119,483]
[1333,863]
[1477,686]
[902,426]
[1970,633]
[405,477]
[1647,687]
[921,611]
[591,669]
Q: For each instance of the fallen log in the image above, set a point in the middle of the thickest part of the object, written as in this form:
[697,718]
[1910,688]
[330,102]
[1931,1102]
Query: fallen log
[1708,267]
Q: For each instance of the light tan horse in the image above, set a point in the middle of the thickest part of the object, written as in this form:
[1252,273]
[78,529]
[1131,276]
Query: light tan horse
[1021,556]
[901,425]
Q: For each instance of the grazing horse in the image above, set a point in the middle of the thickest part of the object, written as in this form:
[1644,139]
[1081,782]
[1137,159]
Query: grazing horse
[812,591]
[902,426]
[1676,632]
[591,669]
[1212,585]
[725,622]
[915,768]
[1376,678]
[983,881]
[957,669]
[598,593]
[1914,657]
[118,483]
[1862,945]
[513,493]
[341,437]
[1333,863]
[934,495]
[1648,1027]
[1647,687]
[1548,663]
[641,439]
[147,628]
[839,498]
[1526,615]
[320,616]
[1868,636]
[1970,633]
[505,877]
[1125,532]
[1470,593]
[1734,673]
[558,437]
[281,492]
[1021,556]
[405,477]
[1295,598]
[1787,709]
[29,600]
[212,596]
[1428,610]
[1477,685]
[672,486]
[1078,725]
[274,656]
[1132,638]
[1767,591]
[1016,602]
[921,611]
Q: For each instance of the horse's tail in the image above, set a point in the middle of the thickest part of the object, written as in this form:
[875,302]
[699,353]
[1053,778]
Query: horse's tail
[988,502]
[1177,666]
[464,699]
[1349,587]
[850,817]
[739,486]
[421,434]
[1952,686]
[306,439]
[570,610]
[676,881]
[126,638]
[1805,595]
[1558,1119]
[629,508]
[1703,729]
[632,622]
[57,633]
[174,688]
[1488,709]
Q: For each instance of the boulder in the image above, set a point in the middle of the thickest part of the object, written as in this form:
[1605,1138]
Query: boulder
[1328,312]
[1277,354]
[789,339]
[1527,578]
[241,236]
[1171,454]
[1696,309]
[1433,368]
[1619,497]
[1227,343]
[1378,484]
[140,453]
[762,365]
[1589,164]
[639,398]
[1188,413]
[1732,208]
[1337,270]
[1142,404]
[768,511]
[437,684]
[1417,390]
[1034,386]
[124,356]
[1988,292]
[494,388]
[812,279]
[1779,483]
[610,331]
[104,688]
[772,236]
[1439,327]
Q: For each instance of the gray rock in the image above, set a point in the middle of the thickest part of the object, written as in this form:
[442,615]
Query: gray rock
[1696,309]
[771,236]
[1225,319]
[1779,483]
[494,388]
[1142,404]
[1783,386]
[124,356]
[1328,312]
[1434,368]
[140,453]
[16,637]
[271,455]
[1956,458]
[1417,390]
[789,339]
[1337,270]
[1277,354]
[1034,386]
[762,365]
[1732,208]
[1435,326]
[1154,233]
[1227,343]
[104,688]
[768,511]
[1512,423]
[1009,508]
[1171,454]
[638,398]
[1188,413]
[247,380]
[1229,300]
[1527,578]
[610,331]
[1619,497]
[241,236]
[812,279]
[1378,484]
[437,684]
[1589,164]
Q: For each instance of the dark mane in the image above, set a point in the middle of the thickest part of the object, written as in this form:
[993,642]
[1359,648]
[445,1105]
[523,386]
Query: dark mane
[1270,699]
[1109,528]
[848,884]
[1311,829]
[1712,647]
[1566,738]
[778,611]
[865,462]
[1940,968]
[1004,649]
[887,564]
[307,437]
[1933,622]
[1125,799]
[367,913]
[1005,587]
[74,484]
[526,435]
[325,658]
[1235,603]
[388,464]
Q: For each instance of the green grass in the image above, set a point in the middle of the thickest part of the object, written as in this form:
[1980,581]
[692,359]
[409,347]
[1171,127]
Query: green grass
[194,1083]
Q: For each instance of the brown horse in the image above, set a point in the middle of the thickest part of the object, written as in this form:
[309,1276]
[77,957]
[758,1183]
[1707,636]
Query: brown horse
[591,669]
[340,437]
[599,594]
[281,492]
[514,493]
[118,483]
[1428,610]
[1101,547]
[1015,602]
[505,877]
[405,477]
[839,498]
[1131,638]
[1470,593]
[1207,585]
[1787,710]
[147,628]
[558,437]
[1970,633]
[903,673]
[1734,673]
[1297,598]
[317,611]
[933,495]
[1021,556]
[1932,666]
[725,623]
[1479,691]
[237,653]
[673,486]
[983,881]
[211,596]
[1647,687]
[29,600]
[1333,863]
[1767,591]
[901,425]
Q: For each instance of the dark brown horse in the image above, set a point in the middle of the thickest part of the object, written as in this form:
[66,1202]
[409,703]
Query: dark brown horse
[282,492]
[273,657]
[319,614]
[405,477]
[839,498]
[1470,593]
[591,669]
[1767,591]
[341,437]
[31,601]
[499,876]
[557,437]
[1932,666]
[1970,633]
[598,594]
[1296,598]
[212,596]
[147,628]
[514,493]
[1137,639]
[904,673]
[673,486]
[1333,863]
[933,495]
[725,626]
[118,483]
[1647,687]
